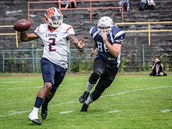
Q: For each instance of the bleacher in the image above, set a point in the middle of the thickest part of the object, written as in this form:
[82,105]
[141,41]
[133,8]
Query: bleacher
[161,43]
[162,12]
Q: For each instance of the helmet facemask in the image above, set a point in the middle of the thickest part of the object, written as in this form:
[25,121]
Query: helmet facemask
[105,30]
[55,21]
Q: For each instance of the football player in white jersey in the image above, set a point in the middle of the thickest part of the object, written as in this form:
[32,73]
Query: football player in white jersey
[56,37]
[107,45]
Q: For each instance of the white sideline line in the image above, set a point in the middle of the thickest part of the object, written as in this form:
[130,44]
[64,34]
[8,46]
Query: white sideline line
[12,82]
[66,112]
[20,88]
[130,91]
[10,113]
[114,111]
[166,110]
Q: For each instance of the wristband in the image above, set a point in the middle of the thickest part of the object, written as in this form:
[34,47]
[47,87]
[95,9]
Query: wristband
[81,49]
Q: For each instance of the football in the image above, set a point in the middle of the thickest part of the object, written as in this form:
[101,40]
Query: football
[22,25]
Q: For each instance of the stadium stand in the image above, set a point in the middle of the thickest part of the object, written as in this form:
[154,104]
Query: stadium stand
[161,43]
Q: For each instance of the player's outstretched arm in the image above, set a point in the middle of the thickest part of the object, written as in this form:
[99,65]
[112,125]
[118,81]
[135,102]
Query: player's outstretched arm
[79,44]
[22,26]
[27,37]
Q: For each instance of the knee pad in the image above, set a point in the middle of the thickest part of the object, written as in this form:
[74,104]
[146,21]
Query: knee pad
[95,95]
[94,77]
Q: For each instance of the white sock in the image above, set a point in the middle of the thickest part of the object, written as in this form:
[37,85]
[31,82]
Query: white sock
[35,110]
[34,113]
[89,100]
[89,86]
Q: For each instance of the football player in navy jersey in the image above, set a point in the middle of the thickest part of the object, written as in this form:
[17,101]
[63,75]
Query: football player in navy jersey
[107,50]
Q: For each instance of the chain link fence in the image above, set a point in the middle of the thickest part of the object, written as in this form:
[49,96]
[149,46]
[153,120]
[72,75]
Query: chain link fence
[28,61]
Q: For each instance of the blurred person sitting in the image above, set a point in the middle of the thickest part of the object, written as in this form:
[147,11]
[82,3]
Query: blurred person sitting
[71,4]
[68,4]
[150,4]
[142,5]
[157,68]
[63,3]
[126,4]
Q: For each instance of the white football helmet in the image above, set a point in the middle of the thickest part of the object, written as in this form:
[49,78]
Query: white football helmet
[53,17]
[105,24]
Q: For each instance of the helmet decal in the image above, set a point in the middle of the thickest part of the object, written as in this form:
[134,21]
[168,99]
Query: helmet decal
[53,17]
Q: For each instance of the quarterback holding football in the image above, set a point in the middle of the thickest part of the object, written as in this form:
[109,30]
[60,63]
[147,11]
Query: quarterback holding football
[56,37]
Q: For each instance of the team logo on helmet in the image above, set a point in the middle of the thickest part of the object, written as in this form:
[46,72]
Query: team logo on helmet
[53,17]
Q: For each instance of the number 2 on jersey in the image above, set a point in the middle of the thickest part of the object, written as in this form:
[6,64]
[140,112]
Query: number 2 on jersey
[52,43]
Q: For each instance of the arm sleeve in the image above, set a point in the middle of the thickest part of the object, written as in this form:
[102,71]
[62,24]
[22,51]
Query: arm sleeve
[119,37]
[37,31]
[70,30]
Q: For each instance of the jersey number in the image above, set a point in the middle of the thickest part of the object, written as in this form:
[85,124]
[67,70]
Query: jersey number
[102,47]
[52,43]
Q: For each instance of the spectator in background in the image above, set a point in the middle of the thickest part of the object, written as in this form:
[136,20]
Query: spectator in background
[126,4]
[68,3]
[157,68]
[71,4]
[142,5]
[151,4]
[146,4]
[63,3]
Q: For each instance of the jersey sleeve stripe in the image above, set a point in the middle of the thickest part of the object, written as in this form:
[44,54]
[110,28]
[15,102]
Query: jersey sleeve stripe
[91,30]
[69,29]
[119,33]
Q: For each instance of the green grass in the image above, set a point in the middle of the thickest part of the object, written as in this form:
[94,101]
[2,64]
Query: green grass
[131,102]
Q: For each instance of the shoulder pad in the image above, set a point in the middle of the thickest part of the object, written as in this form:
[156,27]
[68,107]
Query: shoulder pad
[93,30]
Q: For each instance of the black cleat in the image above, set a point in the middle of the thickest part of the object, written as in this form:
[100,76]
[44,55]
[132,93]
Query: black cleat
[84,108]
[84,97]
[44,111]
[36,121]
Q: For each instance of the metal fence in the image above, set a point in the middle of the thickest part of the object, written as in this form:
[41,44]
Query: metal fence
[28,60]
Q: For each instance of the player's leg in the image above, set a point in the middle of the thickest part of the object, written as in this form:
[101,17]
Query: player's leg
[59,76]
[98,70]
[104,82]
[157,66]
[100,87]
[48,77]
[44,108]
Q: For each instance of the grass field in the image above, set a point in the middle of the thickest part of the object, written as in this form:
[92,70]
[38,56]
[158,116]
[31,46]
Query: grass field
[132,102]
